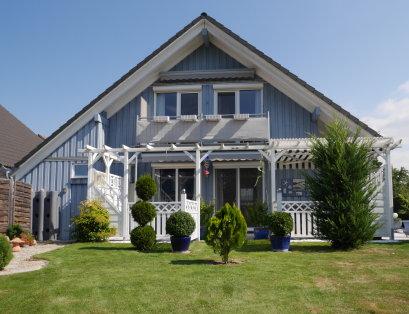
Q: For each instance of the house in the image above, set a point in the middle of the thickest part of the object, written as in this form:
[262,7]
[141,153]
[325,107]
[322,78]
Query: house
[16,141]
[212,119]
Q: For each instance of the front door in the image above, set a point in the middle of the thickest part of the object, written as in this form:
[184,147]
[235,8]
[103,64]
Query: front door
[240,186]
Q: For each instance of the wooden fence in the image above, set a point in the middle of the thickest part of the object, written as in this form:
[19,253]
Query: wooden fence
[15,204]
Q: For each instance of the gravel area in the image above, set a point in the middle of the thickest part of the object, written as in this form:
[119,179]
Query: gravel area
[23,262]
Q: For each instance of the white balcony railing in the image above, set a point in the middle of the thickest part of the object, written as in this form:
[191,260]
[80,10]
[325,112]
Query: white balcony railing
[164,129]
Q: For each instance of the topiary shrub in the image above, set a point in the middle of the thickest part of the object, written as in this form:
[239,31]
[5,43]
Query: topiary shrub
[92,224]
[143,238]
[280,223]
[226,231]
[342,187]
[14,231]
[180,224]
[5,252]
[143,212]
[145,187]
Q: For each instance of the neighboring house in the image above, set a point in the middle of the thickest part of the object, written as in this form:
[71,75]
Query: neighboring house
[206,113]
[16,141]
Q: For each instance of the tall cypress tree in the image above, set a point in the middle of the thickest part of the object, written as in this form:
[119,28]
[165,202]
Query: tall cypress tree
[342,187]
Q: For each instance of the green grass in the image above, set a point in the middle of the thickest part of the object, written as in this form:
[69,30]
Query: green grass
[109,278]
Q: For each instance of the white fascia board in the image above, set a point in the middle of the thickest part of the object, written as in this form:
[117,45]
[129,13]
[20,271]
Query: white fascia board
[275,76]
[237,86]
[123,93]
[177,88]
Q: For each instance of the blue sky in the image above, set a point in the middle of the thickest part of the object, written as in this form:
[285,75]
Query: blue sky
[56,56]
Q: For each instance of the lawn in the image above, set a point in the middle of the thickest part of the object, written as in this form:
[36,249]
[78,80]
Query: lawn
[109,278]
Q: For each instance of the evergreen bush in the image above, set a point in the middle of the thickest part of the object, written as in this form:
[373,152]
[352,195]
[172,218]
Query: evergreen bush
[145,187]
[143,212]
[226,231]
[280,223]
[143,238]
[92,224]
[14,231]
[180,224]
[342,187]
[6,253]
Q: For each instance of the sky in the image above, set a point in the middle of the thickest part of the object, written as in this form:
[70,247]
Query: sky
[56,56]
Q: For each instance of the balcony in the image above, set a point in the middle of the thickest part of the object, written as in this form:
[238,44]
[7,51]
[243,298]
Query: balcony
[206,128]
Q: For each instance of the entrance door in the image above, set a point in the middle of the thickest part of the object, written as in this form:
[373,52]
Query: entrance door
[226,187]
[240,186]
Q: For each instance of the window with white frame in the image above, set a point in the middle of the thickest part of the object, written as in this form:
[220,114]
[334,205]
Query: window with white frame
[175,101]
[79,171]
[233,99]
[171,181]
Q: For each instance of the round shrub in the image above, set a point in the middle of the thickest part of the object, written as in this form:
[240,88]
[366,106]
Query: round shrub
[14,231]
[143,212]
[280,224]
[226,231]
[143,238]
[180,224]
[92,224]
[5,252]
[145,187]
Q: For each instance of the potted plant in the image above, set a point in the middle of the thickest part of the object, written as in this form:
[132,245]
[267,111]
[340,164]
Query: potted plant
[258,218]
[281,225]
[180,226]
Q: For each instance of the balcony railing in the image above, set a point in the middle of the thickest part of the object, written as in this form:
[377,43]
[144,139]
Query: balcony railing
[202,128]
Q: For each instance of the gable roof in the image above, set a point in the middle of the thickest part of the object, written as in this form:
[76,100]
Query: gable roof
[168,45]
[16,139]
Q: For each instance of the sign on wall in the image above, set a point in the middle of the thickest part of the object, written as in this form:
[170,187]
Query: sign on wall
[293,187]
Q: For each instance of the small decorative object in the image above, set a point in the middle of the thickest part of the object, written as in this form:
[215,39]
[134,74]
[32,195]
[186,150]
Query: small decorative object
[16,242]
[241,116]
[161,119]
[281,225]
[188,118]
[213,117]
[180,226]
[206,167]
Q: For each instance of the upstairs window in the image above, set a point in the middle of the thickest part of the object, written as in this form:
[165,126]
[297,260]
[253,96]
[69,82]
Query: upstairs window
[79,171]
[189,103]
[238,98]
[174,101]
[226,103]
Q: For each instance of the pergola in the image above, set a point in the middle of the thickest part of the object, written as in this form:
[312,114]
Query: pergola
[273,150]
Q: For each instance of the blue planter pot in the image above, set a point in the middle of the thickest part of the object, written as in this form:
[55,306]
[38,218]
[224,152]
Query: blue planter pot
[180,244]
[280,244]
[260,233]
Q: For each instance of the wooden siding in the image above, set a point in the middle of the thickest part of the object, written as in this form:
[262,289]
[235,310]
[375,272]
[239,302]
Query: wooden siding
[207,58]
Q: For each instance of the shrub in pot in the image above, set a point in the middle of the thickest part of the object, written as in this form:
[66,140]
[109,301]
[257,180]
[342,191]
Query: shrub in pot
[226,231]
[93,223]
[180,226]
[258,217]
[280,225]
[143,237]
[5,252]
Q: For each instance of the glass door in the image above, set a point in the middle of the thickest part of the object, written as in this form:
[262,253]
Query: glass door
[226,187]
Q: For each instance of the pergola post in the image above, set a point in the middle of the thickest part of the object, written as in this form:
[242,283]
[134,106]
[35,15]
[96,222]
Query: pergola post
[90,177]
[388,206]
[273,196]
[125,205]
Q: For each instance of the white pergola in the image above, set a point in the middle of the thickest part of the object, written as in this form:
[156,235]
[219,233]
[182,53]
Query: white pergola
[273,151]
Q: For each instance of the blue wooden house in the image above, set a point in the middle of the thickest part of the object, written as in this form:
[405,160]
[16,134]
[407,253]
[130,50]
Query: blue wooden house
[212,119]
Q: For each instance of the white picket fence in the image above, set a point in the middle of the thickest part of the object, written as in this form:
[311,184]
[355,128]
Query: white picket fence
[163,212]
[303,225]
